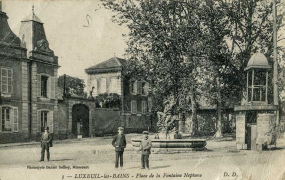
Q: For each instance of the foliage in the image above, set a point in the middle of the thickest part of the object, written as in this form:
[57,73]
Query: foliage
[108,100]
[194,49]
[73,84]
[163,37]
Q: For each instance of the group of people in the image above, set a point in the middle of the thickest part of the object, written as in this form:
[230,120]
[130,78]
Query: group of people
[120,143]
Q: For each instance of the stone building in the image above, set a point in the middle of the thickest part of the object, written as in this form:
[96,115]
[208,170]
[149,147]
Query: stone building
[107,77]
[28,81]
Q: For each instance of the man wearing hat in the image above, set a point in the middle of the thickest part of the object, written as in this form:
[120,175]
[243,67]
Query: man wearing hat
[119,142]
[45,144]
[145,147]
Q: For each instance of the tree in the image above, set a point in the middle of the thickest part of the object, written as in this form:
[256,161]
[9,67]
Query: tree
[184,48]
[234,31]
[73,84]
[163,38]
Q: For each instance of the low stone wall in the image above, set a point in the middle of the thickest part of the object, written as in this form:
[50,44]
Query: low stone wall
[13,137]
[106,121]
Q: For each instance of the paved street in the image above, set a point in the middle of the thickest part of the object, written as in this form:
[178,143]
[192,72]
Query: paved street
[220,161]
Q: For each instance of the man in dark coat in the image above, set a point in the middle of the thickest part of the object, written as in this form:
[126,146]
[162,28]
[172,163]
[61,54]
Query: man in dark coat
[45,144]
[145,147]
[119,142]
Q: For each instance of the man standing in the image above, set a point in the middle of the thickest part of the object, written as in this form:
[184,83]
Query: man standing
[45,144]
[145,147]
[119,142]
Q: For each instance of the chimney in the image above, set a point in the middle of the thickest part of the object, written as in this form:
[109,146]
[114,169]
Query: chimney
[0,6]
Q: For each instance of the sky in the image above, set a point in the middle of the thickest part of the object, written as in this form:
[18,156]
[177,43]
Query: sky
[79,42]
[80,32]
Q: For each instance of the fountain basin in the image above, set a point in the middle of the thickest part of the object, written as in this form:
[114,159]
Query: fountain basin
[159,145]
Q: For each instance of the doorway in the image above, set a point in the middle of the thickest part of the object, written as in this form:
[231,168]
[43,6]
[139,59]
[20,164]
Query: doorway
[80,120]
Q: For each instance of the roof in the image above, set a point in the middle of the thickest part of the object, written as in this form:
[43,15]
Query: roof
[32,17]
[6,34]
[258,60]
[113,64]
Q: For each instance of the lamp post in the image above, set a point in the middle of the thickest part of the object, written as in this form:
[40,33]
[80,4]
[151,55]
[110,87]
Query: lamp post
[275,63]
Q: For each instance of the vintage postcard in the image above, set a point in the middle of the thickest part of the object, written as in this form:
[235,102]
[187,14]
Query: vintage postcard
[142,89]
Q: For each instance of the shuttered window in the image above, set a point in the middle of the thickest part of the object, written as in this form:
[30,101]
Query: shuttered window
[114,86]
[144,107]
[6,80]
[46,120]
[43,115]
[103,85]
[9,119]
[133,87]
[139,87]
[15,127]
[149,101]
[133,106]
[46,86]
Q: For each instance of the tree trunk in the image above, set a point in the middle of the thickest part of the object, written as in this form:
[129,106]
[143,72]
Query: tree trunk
[194,113]
[218,133]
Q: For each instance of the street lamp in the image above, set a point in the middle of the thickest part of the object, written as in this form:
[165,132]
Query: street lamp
[275,63]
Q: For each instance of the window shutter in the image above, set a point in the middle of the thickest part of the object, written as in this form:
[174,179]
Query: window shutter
[15,126]
[142,107]
[11,114]
[49,88]
[10,80]
[135,107]
[52,87]
[132,105]
[139,87]
[98,85]
[39,85]
[146,88]
[136,87]
[50,121]
[4,80]
[130,87]
[149,104]
[95,85]
[39,124]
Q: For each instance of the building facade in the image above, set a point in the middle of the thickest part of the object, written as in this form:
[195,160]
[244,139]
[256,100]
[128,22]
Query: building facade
[107,77]
[28,81]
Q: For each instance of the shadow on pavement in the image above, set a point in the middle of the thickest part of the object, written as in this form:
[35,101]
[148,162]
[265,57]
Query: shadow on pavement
[157,167]
[160,167]
[62,160]
[275,149]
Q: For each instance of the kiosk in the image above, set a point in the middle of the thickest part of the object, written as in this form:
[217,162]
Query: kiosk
[256,126]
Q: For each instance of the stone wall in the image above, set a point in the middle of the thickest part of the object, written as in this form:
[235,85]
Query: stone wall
[106,121]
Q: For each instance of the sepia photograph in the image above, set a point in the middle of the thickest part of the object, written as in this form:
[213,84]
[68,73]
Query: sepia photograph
[142,89]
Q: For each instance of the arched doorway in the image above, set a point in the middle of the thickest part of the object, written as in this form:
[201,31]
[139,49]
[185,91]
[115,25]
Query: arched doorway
[80,120]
